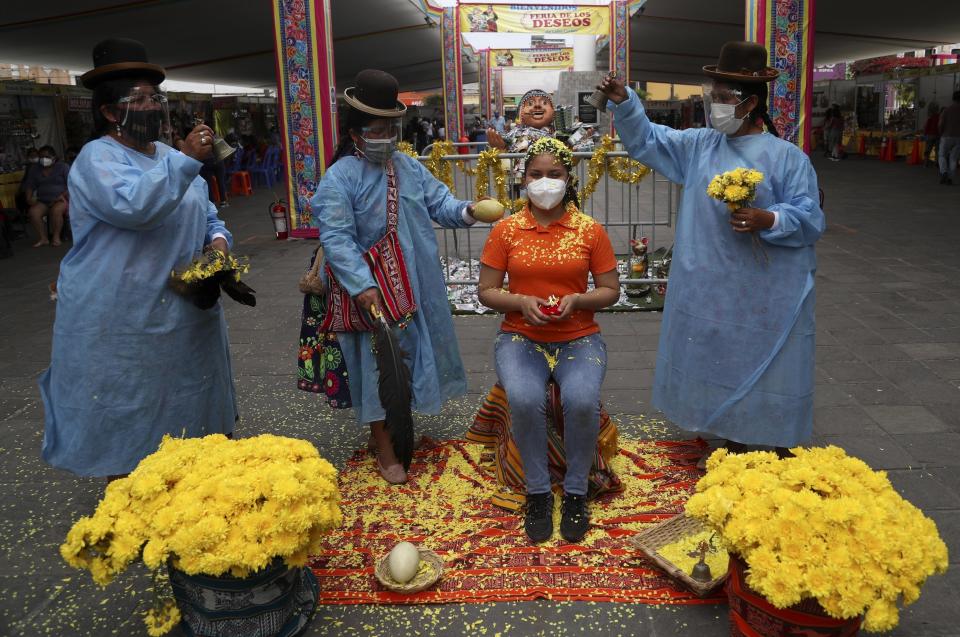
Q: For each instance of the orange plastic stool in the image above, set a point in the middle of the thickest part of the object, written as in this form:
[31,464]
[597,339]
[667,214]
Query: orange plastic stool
[240,183]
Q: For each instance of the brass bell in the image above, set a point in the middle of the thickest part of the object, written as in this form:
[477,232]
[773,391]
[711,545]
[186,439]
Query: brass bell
[598,98]
[222,150]
[701,572]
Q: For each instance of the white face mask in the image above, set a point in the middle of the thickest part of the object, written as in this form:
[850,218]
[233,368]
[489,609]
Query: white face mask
[46,162]
[546,193]
[34,160]
[723,118]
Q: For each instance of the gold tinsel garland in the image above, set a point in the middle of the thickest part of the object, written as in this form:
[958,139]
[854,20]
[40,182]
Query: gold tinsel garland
[407,149]
[439,168]
[596,168]
[627,171]
[622,169]
[490,159]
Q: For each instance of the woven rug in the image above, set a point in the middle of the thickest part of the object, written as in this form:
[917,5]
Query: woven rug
[446,507]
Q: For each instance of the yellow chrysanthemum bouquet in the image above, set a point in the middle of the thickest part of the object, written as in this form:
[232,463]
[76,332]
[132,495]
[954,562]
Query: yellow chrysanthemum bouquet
[736,188]
[211,506]
[202,280]
[821,525]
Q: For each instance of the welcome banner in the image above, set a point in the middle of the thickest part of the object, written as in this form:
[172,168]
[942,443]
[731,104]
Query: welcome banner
[535,18]
[533,58]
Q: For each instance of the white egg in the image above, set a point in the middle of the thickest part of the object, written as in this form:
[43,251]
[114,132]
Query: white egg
[403,560]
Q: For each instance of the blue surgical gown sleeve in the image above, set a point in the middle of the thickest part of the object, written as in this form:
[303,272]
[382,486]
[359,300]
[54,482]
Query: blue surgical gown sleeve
[445,209]
[216,226]
[801,219]
[338,234]
[665,149]
[127,197]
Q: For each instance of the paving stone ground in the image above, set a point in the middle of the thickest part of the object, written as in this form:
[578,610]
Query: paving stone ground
[888,390]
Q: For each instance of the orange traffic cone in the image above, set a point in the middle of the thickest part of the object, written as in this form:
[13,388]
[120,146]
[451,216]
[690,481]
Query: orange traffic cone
[892,149]
[915,159]
[862,146]
[883,149]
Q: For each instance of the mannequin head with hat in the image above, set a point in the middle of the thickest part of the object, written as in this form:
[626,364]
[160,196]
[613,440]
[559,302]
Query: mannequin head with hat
[735,98]
[372,124]
[536,109]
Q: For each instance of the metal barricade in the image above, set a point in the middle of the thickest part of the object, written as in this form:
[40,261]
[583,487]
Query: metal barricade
[627,211]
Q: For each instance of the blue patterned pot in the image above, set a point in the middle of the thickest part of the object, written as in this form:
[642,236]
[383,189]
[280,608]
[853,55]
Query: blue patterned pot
[275,602]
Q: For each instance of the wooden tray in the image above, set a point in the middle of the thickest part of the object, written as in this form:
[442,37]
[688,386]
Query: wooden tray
[667,532]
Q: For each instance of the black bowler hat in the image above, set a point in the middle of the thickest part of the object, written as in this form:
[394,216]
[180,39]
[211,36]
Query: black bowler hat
[375,92]
[742,62]
[121,57]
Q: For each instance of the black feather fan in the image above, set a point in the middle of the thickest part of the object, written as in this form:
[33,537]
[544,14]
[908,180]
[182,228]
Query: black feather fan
[395,389]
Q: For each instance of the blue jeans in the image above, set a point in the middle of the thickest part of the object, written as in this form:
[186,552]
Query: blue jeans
[948,154]
[524,367]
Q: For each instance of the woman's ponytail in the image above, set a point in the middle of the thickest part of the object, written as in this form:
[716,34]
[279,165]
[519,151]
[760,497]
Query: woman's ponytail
[760,111]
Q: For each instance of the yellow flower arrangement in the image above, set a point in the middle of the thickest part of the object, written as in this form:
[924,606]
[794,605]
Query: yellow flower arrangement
[736,188]
[820,525]
[212,262]
[210,505]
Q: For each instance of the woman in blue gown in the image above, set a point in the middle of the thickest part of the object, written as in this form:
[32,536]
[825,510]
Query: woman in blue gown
[736,353]
[350,211]
[131,361]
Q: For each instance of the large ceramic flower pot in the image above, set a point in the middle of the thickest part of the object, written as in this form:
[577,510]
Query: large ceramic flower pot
[753,616]
[275,602]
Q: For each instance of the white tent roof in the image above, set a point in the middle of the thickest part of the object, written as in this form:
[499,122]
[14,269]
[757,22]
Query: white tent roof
[231,41]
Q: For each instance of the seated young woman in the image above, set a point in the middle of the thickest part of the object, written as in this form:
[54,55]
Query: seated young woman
[549,332]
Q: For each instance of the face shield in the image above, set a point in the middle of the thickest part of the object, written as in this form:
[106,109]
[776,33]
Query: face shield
[380,140]
[718,94]
[382,130]
[144,116]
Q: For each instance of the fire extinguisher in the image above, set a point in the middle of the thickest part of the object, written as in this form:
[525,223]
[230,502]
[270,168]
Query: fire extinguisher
[281,220]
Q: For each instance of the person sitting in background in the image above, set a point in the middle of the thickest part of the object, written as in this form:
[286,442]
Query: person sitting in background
[70,154]
[31,163]
[46,190]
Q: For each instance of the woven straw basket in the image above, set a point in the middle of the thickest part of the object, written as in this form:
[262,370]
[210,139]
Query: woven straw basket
[667,532]
[420,582]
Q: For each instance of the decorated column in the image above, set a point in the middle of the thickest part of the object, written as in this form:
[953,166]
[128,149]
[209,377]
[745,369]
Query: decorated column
[452,75]
[496,89]
[307,100]
[484,82]
[785,28]
[620,39]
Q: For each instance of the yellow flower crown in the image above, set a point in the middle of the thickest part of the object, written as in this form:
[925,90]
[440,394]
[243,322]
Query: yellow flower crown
[551,146]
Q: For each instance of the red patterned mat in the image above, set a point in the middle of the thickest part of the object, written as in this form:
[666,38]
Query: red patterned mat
[446,507]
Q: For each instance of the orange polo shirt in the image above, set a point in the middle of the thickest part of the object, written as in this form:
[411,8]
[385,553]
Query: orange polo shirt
[553,260]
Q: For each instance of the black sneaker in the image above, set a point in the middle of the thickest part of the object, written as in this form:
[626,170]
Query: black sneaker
[944,178]
[574,517]
[538,522]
